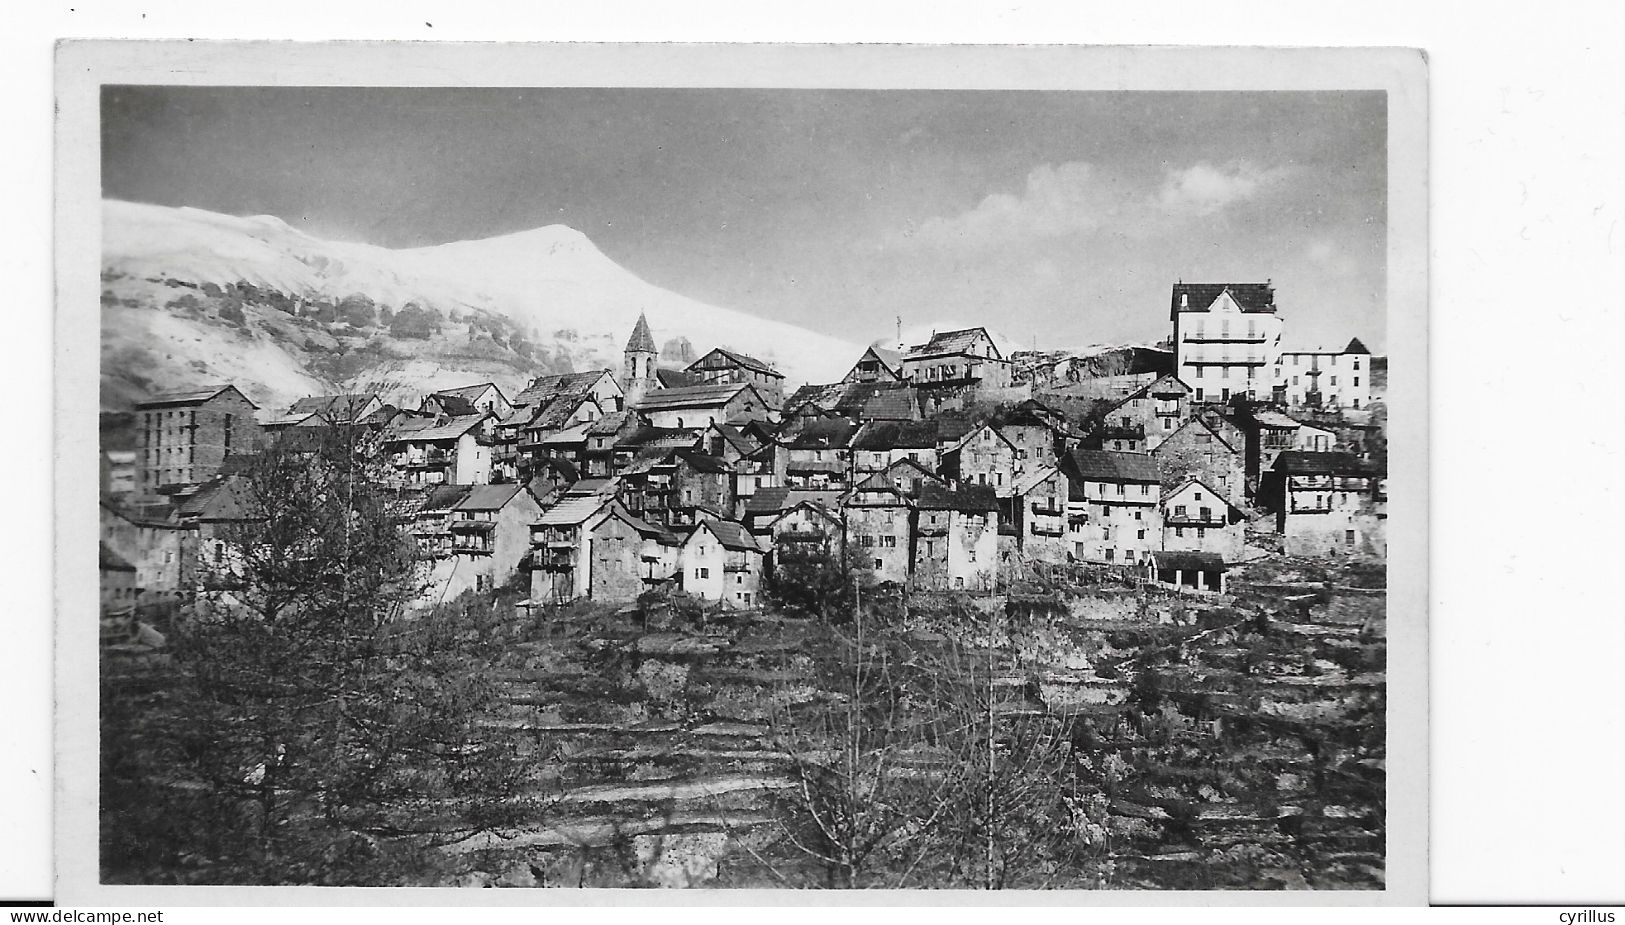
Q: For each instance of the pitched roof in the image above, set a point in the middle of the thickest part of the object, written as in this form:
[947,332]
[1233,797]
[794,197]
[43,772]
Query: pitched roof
[1034,479]
[641,339]
[572,511]
[1168,443]
[731,534]
[1196,561]
[611,423]
[943,343]
[822,433]
[1307,462]
[892,478]
[110,561]
[896,435]
[546,388]
[350,404]
[1356,347]
[1168,494]
[428,429]
[445,497]
[692,396]
[650,435]
[777,499]
[975,499]
[1109,466]
[1157,386]
[702,462]
[617,510]
[554,412]
[1250,297]
[891,359]
[889,404]
[676,378]
[489,497]
[470,392]
[191,396]
[450,404]
[738,359]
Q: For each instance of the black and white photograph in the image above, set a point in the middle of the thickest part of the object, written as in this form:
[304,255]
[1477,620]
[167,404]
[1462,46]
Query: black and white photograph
[757,485]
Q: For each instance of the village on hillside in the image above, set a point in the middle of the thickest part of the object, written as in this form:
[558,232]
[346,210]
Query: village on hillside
[1104,621]
[944,464]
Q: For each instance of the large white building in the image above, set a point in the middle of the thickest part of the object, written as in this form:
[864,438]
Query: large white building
[1226,339]
[1324,378]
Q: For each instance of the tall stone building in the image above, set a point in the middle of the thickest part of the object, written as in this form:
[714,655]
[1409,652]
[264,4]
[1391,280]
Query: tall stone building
[638,369]
[185,437]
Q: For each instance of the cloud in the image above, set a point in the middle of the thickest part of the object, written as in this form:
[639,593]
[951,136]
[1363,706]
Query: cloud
[1203,189]
[1327,256]
[1075,197]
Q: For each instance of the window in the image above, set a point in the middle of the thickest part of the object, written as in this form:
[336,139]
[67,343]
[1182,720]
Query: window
[1106,510]
[1167,423]
[1111,555]
[1122,489]
[702,573]
[1348,538]
[1356,381]
[1139,515]
[1334,380]
[1179,531]
[1207,513]
[889,542]
[1179,510]
[1140,536]
[1198,388]
[1145,490]
[879,564]
[1201,533]
[739,578]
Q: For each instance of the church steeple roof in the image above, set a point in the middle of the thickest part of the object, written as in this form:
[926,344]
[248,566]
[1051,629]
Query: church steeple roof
[642,340]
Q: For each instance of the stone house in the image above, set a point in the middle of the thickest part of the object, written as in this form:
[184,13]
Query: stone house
[561,549]
[722,365]
[1036,432]
[1199,449]
[818,453]
[1267,433]
[1150,414]
[1037,510]
[1117,496]
[1196,517]
[764,509]
[956,538]
[879,513]
[156,547]
[878,444]
[440,450]
[598,459]
[490,536]
[118,583]
[985,457]
[598,384]
[809,529]
[183,438]
[627,555]
[1326,504]
[483,397]
[966,356]
[722,561]
[698,406]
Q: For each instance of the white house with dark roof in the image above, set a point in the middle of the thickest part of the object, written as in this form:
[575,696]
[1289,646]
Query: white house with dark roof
[1324,378]
[1196,517]
[1226,338]
[722,561]
[484,396]
[964,357]
[440,450]
[1115,497]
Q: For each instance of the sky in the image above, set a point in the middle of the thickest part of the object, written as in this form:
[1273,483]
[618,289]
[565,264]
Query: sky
[1056,218]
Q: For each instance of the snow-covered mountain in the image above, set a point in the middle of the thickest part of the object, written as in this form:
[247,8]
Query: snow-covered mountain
[191,296]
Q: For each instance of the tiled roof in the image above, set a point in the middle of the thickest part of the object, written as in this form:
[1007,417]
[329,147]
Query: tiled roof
[546,388]
[1306,462]
[1108,466]
[676,379]
[821,433]
[445,497]
[896,435]
[190,396]
[692,396]
[427,429]
[1032,480]
[332,404]
[1275,419]
[451,404]
[897,477]
[945,343]
[488,497]
[776,499]
[737,359]
[1196,561]
[610,423]
[572,511]
[641,339]
[1250,297]
[1168,443]
[702,462]
[976,499]
[649,435]
[1356,347]
[469,392]
[889,404]
[731,534]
